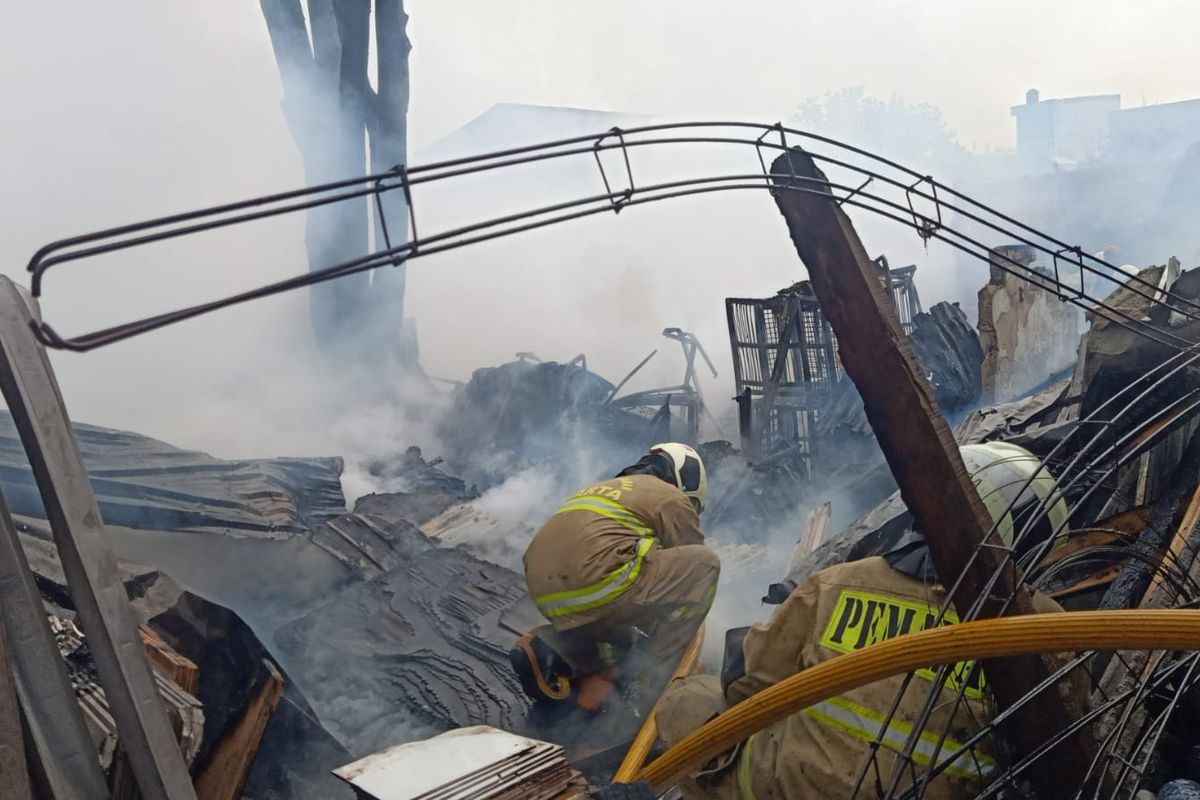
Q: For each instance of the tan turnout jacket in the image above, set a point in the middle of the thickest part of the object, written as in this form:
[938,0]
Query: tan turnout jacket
[594,548]
[820,752]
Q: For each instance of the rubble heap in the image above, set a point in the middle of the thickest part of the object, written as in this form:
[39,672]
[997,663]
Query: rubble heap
[1026,331]
[527,410]
[365,632]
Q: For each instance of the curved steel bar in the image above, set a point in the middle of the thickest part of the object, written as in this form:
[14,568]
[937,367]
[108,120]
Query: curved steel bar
[909,182]
[454,239]
[1141,389]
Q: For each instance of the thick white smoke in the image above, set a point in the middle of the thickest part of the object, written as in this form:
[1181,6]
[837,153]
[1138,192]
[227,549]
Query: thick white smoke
[126,112]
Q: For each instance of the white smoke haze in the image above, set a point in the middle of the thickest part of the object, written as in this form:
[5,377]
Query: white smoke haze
[526,495]
[163,108]
[121,113]
[115,113]
[499,524]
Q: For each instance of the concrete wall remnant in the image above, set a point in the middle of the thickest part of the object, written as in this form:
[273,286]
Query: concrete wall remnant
[1027,333]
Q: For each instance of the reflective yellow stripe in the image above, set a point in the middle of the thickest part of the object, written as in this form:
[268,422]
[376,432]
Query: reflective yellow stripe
[868,726]
[606,652]
[861,619]
[745,780]
[690,610]
[605,591]
[608,508]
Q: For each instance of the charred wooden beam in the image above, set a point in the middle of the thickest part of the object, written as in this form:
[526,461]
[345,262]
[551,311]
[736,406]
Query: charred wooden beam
[1126,671]
[924,458]
[1131,584]
[227,770]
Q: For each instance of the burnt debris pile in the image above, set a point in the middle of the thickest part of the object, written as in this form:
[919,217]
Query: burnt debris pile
[529,412]
[1118,430]
[311,633]
[351,629]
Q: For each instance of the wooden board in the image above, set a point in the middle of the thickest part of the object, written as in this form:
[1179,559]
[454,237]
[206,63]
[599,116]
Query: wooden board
[233,756]
[183,671]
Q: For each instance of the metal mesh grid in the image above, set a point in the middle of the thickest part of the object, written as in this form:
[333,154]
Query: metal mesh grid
[904,296]
[1135,696]
[786,394]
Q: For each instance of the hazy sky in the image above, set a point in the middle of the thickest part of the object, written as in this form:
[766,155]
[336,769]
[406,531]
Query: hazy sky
[120,111]
[973,59]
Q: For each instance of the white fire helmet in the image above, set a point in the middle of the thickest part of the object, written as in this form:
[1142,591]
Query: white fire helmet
[690,476]
[1017,488]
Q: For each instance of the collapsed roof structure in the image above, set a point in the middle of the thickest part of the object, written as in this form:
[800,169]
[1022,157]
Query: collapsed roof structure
[397,632]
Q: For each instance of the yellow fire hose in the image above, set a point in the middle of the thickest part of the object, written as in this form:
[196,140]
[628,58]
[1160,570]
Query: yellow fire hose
[1175,629]
[640,748]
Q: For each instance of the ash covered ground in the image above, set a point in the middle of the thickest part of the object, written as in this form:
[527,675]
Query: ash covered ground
[389,614]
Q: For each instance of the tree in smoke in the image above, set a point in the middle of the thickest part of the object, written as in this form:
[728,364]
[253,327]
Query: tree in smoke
[333,113]
[913,134]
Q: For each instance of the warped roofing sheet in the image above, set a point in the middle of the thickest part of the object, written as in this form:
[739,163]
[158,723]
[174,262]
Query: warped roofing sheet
[469,763]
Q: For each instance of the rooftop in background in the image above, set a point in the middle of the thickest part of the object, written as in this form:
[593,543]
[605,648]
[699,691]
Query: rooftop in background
[513,124]
[1077,129]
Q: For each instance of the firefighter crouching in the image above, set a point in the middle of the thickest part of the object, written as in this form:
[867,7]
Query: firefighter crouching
[825,750]
[621,565]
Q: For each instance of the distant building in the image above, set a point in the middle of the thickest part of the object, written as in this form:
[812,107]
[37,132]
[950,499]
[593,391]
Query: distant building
[1166,128]
[1067,129]
[507,125]
[1089,172]
[1072,130]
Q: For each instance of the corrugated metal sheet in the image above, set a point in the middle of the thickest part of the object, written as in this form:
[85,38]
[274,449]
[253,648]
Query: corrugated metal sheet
[477,763]
[183,710]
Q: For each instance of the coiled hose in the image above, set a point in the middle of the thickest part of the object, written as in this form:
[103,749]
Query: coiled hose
[1175,629]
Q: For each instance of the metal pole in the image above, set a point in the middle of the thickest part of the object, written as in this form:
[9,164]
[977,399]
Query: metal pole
[14,772]
[745,403]
[31,391]
[65,752]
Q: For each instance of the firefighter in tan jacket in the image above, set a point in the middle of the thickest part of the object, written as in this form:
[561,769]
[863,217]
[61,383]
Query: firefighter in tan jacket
[821,752]
[848,746]
[622,561]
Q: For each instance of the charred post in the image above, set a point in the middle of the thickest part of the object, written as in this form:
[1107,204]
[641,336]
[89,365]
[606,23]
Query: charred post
[922,454]
[333,111]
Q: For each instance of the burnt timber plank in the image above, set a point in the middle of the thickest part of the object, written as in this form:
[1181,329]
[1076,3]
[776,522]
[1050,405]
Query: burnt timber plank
[922,454]
[229,767]
[183,671]
[1139,574]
